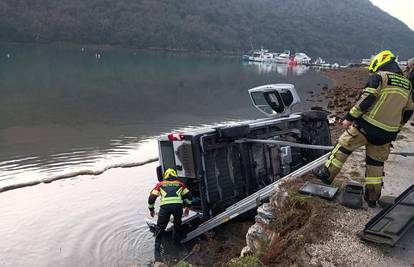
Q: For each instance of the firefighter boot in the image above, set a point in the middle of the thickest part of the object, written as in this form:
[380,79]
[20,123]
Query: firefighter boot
[368,197]
[375,158]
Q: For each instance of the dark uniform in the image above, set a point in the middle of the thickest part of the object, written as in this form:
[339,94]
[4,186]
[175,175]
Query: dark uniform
[385,105]
[410,75]
[174,196]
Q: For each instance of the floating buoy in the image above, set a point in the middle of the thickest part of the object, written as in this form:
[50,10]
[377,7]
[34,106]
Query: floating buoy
[8,55]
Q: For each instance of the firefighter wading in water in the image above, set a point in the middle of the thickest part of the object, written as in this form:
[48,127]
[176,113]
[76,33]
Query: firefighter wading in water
[384,107]
[174,197]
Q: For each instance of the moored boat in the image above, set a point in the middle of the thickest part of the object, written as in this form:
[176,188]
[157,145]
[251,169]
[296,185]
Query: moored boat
[302,58]
[261,55]
[283,57]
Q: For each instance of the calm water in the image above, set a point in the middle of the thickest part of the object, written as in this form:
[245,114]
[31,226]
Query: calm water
[63,109]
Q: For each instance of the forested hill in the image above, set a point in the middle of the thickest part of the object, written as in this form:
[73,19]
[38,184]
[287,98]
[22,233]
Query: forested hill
[340,28]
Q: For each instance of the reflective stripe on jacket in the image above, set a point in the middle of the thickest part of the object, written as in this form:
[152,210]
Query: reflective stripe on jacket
[171,192]
[392,98]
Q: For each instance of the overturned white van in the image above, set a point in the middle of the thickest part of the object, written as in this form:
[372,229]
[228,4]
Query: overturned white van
[222,166]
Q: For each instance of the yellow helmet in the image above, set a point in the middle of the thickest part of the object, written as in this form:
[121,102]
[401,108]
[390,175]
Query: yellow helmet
[170,172]
[380,59]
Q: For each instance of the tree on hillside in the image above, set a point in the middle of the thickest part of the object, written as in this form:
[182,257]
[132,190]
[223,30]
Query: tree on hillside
[343,28]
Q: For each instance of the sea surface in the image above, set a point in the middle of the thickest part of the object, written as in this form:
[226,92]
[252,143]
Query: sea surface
[66,109]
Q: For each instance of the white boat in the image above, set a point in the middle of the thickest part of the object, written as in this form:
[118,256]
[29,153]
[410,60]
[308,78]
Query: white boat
[261,55]
[335,65]
[302,58]
[283,57]
[403,63]
[321,63]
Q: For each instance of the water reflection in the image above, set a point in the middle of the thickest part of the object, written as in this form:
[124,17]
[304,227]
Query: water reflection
[281,69]
[63,108]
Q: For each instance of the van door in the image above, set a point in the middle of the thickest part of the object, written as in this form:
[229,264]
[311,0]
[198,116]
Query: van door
[184,160]
[274,99]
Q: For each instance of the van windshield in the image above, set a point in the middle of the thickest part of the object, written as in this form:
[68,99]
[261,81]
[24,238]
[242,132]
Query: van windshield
[167,154]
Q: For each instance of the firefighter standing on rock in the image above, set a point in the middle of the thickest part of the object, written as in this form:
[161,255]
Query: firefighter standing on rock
[174,197]
[385,105]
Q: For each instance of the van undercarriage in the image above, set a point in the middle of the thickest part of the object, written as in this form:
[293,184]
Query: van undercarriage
[221,167]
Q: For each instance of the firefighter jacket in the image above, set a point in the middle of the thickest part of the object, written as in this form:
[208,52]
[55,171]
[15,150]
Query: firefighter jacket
[172,192]
[385,105]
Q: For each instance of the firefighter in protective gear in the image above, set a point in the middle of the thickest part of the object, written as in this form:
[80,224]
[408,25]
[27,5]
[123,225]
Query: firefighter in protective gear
[174,196]
[410,70]
[385,105]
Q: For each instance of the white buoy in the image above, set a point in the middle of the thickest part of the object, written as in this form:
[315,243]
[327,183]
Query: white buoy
[83,49]
[8,55]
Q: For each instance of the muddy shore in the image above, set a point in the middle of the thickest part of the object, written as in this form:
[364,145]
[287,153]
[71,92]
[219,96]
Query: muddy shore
[348,86]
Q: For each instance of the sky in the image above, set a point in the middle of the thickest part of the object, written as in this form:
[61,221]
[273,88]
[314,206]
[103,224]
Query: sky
[401,9]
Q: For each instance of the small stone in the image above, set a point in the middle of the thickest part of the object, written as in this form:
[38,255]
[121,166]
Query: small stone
[160,264]
[266,211]
[246,251]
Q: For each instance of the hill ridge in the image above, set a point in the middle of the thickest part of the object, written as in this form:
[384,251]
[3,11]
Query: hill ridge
[340,28]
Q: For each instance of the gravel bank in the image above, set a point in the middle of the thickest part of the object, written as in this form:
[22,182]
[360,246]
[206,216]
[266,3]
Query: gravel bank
[343,246]
[338,244]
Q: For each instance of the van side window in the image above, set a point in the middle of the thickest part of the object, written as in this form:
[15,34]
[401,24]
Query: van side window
[274,101]
[287,97]
[259,99]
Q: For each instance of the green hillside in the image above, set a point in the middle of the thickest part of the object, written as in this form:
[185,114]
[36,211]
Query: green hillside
[340,28]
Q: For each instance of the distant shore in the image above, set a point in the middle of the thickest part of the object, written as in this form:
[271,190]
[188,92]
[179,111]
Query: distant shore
[108,47]
[102,47]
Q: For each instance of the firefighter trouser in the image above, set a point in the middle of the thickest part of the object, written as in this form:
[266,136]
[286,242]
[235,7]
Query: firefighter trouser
[164,215]
[350,140]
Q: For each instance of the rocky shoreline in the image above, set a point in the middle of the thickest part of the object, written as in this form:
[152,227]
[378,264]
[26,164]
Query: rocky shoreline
[333,240]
